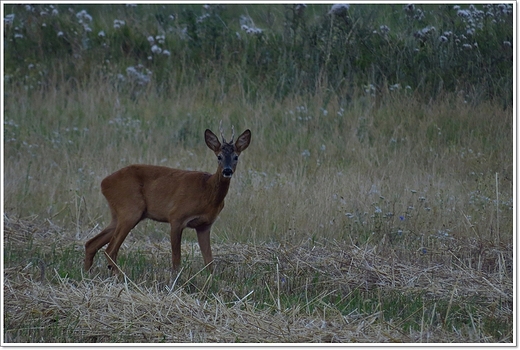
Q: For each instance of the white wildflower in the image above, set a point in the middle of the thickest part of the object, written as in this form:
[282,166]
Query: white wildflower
[203,17]
[83,16]
[384,29]
[9,19]
[251,30]
[254,31]
[428,30]
[160,39]
[139,74]
[463,13]
[118,23]
[339,9]
[247,25]
[423,33]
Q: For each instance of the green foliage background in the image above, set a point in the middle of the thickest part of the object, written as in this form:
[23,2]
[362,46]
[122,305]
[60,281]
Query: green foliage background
[429,49]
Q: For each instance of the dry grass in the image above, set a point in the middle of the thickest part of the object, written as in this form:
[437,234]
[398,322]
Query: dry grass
[377,221]
[42,305]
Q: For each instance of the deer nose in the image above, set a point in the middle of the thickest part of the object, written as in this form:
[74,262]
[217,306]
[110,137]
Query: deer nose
[227,172]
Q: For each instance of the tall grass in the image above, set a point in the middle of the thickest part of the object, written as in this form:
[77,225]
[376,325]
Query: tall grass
[279,50]
[311,161]
[346,163]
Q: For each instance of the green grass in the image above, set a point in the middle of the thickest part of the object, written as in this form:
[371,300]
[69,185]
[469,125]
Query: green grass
[297,51]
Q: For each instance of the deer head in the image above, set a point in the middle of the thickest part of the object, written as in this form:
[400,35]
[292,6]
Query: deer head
[227,152]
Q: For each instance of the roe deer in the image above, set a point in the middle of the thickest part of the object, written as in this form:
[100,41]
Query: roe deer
[182,198]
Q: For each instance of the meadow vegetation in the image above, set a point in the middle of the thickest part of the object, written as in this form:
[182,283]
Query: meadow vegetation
[374,204]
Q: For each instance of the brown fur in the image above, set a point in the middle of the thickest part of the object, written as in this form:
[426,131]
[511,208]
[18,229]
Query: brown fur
[183,198]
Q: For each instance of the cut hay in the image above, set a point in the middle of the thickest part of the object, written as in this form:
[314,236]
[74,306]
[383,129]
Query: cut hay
[107,311]
[42,306]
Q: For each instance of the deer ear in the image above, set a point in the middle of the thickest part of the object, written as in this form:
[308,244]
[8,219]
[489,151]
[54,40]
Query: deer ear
[243,141]
[212,141]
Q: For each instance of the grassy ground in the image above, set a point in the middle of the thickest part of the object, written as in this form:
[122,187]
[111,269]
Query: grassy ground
[356,214]
[383,219]
[329,292]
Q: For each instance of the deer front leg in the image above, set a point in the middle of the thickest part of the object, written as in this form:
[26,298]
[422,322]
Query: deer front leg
[205,246]
[175,237]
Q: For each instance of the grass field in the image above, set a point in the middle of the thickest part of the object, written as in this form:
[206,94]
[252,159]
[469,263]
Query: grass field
[362,211]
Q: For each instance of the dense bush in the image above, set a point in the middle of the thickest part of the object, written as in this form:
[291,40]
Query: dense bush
[284,49]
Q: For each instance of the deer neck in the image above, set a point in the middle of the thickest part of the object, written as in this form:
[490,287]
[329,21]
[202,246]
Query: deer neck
[220,185]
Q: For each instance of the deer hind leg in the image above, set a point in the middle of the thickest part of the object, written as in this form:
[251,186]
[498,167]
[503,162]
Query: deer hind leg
[94,244]
[125,224]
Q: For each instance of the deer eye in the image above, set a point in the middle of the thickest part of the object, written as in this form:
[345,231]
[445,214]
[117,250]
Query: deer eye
[219,157]
[235,158]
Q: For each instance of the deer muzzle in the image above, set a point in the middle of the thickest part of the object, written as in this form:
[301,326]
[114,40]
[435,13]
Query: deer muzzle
[227,172]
